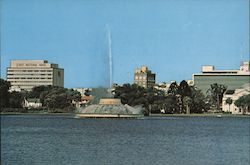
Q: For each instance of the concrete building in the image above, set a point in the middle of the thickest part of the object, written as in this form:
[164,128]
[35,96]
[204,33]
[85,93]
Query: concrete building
[26,74]
[235,95]
[233,79]
[144,77]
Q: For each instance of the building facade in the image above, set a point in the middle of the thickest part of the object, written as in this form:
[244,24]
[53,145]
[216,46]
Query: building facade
[233,79]
[144,77]
[26,74]
[235,95]
[32,103]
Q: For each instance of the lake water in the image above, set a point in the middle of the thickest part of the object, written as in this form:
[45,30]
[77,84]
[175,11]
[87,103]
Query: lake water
[63,139]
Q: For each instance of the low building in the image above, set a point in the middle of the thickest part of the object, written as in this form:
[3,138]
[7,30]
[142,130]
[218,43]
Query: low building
[162,87]
[144,77]
[85,101]
[32,103]
[83,91]
[235,95]
[233,79]
[26,74]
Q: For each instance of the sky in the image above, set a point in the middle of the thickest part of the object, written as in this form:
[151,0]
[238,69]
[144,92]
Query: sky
[174,38]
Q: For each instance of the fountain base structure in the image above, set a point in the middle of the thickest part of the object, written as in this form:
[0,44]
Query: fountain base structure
[110,108]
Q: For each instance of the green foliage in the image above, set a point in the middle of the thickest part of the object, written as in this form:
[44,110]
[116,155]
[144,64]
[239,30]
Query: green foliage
[59,98]
[87,92]
[54,98]
[198,104]
[16,100]
[36,91]
[184,89]
[171,104]
[187,102]
[243,102]
[216,92]
[229,101]
[154,100]
[132,94]
[173,88]
[4,94]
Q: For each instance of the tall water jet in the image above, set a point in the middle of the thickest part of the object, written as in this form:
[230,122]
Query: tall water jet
[110,58]
[110,107]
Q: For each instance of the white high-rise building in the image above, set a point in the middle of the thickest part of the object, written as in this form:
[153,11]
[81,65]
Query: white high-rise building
[26,74]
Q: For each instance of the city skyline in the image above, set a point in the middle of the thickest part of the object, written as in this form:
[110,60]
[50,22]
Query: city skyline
[173,38]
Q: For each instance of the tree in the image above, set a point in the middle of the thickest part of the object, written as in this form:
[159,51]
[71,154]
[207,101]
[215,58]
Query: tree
[173,88]
[87,92]
[134,95]
[199,104]
[37,90]
[216,92]
[243,103]
[131,94]
[171,104]
[187,102]
[73,95]
[4,93]
[54,97]
[184,89]
[16,100]
[229,101]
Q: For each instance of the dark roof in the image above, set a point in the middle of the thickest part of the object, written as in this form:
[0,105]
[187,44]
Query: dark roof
[230,92]
[34,100]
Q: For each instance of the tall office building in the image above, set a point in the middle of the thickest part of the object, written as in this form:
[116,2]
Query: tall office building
[26,74]
[233,79]
[144,77]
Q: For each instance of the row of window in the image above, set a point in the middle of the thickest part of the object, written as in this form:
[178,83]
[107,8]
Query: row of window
[29,74]
[142,82]
[10,78]
[30,70]
[30,82]
[140,77]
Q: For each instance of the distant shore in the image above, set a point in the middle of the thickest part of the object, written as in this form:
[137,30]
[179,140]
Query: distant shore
[199,115]
[34,113]
[151,115]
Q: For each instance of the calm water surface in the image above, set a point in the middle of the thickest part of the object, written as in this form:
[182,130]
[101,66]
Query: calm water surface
[60,139]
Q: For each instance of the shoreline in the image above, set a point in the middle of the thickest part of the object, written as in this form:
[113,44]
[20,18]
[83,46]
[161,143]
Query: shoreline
[151,115]
[199,115]
[34,113]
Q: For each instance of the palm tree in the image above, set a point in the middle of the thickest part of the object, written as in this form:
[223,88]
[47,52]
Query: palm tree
[187,101]
[229,101]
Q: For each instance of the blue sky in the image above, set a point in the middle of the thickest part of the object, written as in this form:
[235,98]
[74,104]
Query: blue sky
[174,38]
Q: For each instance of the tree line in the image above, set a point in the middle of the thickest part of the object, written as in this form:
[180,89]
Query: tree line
[53,98]
[179,98]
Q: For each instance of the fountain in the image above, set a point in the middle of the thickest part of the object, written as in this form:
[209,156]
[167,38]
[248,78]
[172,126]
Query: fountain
[109,107]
